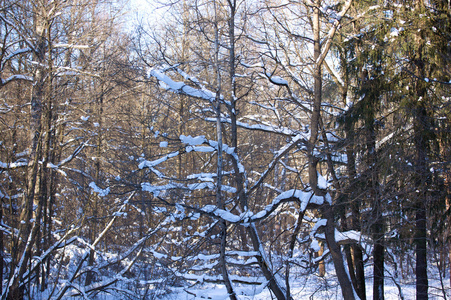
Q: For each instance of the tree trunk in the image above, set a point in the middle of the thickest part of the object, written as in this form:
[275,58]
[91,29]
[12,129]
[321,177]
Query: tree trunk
[1,247]
[377,227]
[356,251]
[345,283]
[422,177]
[219,201]
[25,238]
[46,174]
[327,210]
[448,231]
[420,119]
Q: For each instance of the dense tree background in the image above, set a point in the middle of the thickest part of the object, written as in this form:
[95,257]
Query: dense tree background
[233,142]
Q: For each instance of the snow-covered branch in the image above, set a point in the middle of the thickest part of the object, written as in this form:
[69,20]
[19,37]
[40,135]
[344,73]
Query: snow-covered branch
[260,127]
[12,78]
[181,87]
[9,166]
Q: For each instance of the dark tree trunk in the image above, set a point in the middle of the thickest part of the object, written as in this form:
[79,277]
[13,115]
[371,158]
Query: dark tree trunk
[421,183]
[378,256]
[1,248]
[337,257]
[327,210]
[354,253]
[422,132]
[421,254]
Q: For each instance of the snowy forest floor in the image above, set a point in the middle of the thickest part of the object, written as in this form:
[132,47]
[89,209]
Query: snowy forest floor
[304,285]
[315,287]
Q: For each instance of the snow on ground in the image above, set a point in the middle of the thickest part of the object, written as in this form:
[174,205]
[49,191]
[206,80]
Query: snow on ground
[311,287]
[304,285]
